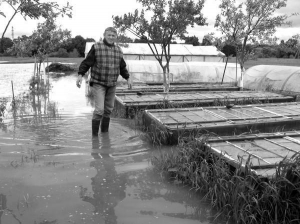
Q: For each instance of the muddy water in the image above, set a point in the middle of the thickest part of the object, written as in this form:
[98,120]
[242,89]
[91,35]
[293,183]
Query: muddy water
[53,171]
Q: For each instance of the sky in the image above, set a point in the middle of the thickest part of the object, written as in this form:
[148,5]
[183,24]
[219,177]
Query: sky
[91,17]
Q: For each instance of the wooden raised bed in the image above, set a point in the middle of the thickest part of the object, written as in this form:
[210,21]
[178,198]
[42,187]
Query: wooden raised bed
[130,103]
[169,124]
[177,88]
[264,150]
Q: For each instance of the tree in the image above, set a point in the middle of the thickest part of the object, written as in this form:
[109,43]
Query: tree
[47,38]
[167,20]
[294,45]
[7,43]
[191,40]
[143,39]
[210,39]
[297,37]
[79,43]
[34,9]
[124,39]
[250,22]
[229,50]
[89,40]
[20,48]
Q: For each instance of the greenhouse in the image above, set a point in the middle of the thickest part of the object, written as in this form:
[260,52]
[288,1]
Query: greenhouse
[151,71]
[179,52]
[271,77]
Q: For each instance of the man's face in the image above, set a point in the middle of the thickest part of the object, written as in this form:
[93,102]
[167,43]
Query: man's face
[110,37]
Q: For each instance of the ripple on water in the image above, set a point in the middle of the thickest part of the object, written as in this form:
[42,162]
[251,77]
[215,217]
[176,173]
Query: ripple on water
[53,171]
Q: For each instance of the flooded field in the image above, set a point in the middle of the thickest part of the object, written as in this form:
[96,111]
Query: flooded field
[53,172]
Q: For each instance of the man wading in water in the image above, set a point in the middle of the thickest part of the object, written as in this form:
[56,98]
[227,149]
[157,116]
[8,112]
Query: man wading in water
[106,62]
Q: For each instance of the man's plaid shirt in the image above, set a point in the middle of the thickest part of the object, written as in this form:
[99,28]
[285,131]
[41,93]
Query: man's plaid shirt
[106,63]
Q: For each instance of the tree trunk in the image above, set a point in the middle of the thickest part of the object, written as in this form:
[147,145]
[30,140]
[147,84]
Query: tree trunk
[166,83]
[1,41]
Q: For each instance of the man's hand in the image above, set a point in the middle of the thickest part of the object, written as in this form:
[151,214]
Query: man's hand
[79,81]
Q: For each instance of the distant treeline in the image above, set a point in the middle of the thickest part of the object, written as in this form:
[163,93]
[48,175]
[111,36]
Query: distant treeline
[75,47]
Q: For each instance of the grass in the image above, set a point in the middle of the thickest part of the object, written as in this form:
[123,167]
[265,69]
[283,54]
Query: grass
[269,61]
[248,64]
[238,195]
[12,60]
[20,60]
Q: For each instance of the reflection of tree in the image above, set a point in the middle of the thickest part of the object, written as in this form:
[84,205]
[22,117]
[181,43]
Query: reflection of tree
[2,205]
[107,185]
[3,208]
[3,103]
[35,111]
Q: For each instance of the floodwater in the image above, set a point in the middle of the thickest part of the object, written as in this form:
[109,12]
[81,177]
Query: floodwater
[53,172]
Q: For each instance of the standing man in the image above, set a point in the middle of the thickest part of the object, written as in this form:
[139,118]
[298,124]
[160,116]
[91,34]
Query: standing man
[106,62]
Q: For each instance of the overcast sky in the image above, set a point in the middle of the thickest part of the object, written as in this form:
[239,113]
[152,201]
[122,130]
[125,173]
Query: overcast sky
[91,17]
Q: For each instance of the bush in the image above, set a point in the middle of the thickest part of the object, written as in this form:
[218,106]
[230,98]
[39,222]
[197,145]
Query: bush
[58,67]
[61,53]
[74,53]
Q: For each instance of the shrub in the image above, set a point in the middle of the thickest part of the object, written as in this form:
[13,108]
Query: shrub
[61,53]
[74,54]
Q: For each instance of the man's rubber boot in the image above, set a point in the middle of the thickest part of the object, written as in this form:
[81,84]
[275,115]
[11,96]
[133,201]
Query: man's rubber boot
[105,124]
[95,127]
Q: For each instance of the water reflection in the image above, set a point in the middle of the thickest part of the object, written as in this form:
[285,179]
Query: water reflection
[32,111]
[123,189]
[2,205]
[108,187]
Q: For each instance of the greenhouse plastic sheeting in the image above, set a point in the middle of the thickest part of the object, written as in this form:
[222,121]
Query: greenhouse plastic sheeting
[271,77]
[151,71]
[179,52]
[175,49]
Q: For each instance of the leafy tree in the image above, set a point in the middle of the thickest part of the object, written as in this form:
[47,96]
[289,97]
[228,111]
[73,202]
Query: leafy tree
[269,51]
[167,20]
[34,9]
[6,43]
[74,54]
[293,44]
[90,40]
[47,38]
[297,37]
[20,48]
[250,22]
[229,50]
[206,41]
[79,43]
[68,45]
[191,40]
[210,39]
[143,39]
[124,39]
